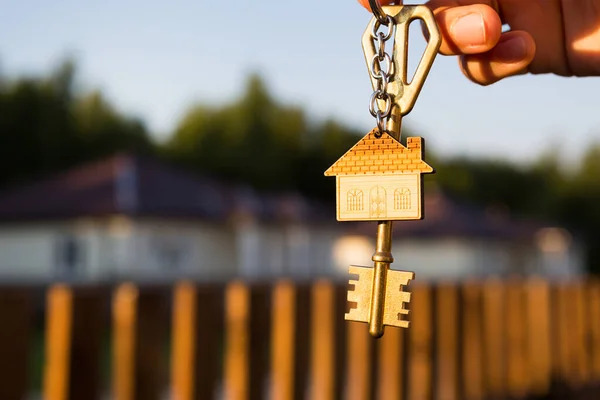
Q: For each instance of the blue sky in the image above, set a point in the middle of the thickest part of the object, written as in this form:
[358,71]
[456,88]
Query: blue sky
[154,58]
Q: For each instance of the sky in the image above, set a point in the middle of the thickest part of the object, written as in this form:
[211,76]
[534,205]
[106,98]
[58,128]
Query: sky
[155,58]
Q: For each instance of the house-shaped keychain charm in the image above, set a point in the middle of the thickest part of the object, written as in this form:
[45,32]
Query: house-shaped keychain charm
[380,179]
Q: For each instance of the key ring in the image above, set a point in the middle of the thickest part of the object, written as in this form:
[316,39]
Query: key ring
[378,12]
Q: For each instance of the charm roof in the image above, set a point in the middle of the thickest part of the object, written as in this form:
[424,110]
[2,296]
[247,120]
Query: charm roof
[384,155]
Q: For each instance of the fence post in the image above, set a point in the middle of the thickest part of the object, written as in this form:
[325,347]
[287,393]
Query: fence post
[472,342]
[594,318]
[494,338]
[283,335]
[247,339]
[183,364]
[197,334]
[560,334]
[538,336]
[58,342]
[389,384]
[517,362]
[580,341]
[446,336]
[359,360]
[341,343]
[237,310]
[567,334]
[124,308]
[323,341]
[420,339]
[15,338]
[140,343]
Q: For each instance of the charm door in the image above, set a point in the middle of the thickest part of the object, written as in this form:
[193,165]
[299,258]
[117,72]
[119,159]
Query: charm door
[378,201]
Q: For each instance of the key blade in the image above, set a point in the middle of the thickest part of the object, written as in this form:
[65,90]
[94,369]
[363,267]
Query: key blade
[361,294]
[396,298]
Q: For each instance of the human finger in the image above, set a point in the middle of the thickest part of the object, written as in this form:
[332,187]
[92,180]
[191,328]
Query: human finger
[470,29]
[511,56]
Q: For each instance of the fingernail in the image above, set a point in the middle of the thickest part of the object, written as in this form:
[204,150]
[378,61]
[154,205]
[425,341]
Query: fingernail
[513,49]
[469,30]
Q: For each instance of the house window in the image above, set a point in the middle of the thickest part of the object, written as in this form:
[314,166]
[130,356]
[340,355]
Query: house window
[69,256]
[170,253]
[402,199]
[355,200]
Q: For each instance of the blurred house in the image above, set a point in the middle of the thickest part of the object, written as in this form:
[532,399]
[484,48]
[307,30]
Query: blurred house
[458,240]
[129,217]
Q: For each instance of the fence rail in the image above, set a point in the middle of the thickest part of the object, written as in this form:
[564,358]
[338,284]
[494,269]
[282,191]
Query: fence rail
[494,339]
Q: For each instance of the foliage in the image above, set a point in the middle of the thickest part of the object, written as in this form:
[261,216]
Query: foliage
[258,141]
[45,126]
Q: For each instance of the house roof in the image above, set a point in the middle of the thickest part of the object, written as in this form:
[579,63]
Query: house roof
[383,155]
[141,186]
[122,184]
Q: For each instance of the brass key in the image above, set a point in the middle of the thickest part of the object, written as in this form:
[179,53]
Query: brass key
[376,304]
[379,179]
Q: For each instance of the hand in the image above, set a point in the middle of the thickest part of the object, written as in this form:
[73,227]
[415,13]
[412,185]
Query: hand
[561,37]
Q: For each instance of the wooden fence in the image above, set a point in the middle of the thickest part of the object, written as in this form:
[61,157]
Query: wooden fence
[479,340]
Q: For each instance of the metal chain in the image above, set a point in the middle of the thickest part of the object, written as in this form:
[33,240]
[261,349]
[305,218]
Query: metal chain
[382,75]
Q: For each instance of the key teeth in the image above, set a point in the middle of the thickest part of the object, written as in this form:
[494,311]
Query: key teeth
[361,293]
[396,281]
[354,283]
[353,315]
[398,321]
[401,324]
[353,297]
[357,271]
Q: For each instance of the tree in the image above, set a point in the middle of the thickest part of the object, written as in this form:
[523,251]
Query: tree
[257,140]
[103,131]
[46,126]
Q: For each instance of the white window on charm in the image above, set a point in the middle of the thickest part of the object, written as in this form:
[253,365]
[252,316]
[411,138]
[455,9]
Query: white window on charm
[402,199]
[355,200]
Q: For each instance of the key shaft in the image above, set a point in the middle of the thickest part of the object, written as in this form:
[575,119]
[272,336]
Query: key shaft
[382,258]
